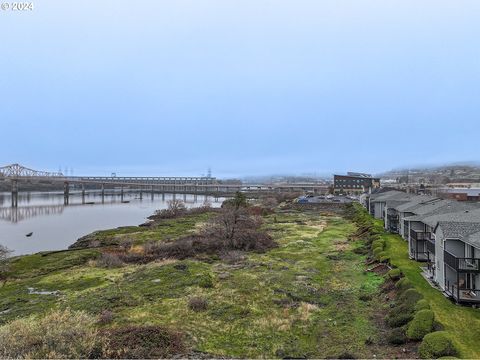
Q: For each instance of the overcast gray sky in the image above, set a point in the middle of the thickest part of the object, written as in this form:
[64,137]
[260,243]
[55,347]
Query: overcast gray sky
[246,87]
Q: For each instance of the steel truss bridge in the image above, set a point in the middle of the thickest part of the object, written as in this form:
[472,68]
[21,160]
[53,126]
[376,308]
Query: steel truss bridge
[177,184]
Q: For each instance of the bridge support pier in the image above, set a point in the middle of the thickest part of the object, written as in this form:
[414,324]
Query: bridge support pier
[83,193]
[66,193]
[103,193]
[121,194]
[152,192]
[141,193]
[14,193]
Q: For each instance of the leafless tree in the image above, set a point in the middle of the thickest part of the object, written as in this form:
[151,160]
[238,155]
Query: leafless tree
[231,224]
[176,207]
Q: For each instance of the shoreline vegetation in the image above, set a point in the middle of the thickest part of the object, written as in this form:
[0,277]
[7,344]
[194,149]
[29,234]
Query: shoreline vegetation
[269,278]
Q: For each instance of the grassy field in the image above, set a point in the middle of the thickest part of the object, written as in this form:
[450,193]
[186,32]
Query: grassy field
[461,322]
[309,297]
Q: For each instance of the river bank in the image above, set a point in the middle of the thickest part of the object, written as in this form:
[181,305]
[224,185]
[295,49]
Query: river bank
[55,226]
[307,297]
[304,294]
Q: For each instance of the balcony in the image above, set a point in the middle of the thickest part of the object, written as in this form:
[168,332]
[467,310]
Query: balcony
[462,295]
[461,264]
[393,223]
[420,235]
[392,217]
[418,244]
[405,229]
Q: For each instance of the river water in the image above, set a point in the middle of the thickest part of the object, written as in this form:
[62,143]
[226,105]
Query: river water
[55,226]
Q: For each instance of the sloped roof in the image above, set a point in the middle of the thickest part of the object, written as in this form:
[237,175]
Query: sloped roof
[463,225]
[468,231]
[415,203]
[431,213]
[473,239]
[390,195]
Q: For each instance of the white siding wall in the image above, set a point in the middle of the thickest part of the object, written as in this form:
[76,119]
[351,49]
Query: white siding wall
[409,226]
[440,268]
[401,216]
[385,217]
[379,210]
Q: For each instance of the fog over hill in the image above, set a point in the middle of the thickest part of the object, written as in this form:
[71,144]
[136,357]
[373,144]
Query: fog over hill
[458,172]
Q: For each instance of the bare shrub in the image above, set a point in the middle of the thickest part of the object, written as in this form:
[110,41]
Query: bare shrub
[142,342]
[233,257]
[95,244]
[238,230]
[190,246]
[109,260]
[176,207]
[151,247]
[105,317]
[126,244]
[269,202]
[175,210]
[136,258]
[198,303]
[232,229]
[230,221]
[251,240]
[257,210]
[61,334]
[179,249]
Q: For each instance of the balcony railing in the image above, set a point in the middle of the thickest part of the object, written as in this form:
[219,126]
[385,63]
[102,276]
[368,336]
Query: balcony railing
[466,264]
[417,250]
[462,294]
[461,264]
[420,235]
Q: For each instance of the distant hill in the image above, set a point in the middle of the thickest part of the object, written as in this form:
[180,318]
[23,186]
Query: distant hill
[462,173]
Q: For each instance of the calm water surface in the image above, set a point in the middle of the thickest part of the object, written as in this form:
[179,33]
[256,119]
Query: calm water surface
[56,226]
